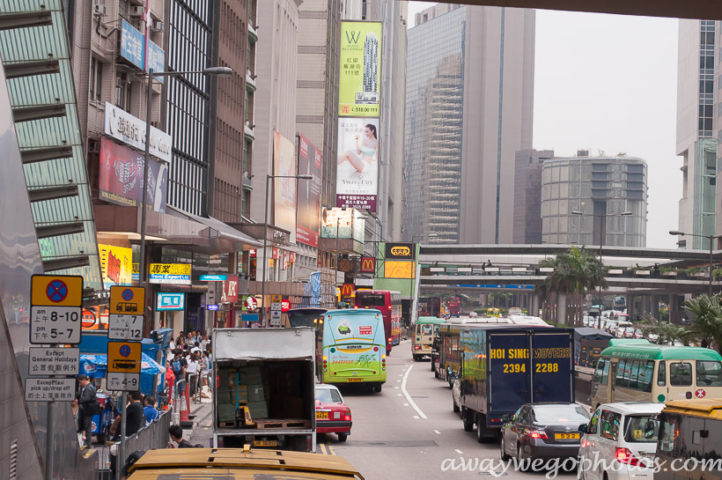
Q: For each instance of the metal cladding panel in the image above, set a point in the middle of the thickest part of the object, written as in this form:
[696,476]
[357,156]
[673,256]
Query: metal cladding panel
[263,344]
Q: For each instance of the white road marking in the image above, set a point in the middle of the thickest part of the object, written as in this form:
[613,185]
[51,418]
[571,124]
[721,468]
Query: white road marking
[416,417]
[406,404]
[437,432]
[396,388]
[408,397]
[397,381]
[459,451]
[399,395]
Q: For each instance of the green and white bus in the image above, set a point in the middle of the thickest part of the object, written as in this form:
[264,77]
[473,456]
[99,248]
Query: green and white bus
[354,348]
[424,331]
[638,371]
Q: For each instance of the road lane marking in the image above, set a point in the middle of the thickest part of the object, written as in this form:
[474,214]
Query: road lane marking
[437,432]
[332,450]
[408,397]
[416,417]
[323,448]
[459,451]
[406,404]
[399,395]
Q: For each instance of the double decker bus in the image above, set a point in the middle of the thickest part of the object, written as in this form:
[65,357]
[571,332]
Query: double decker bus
[454,306]
[354,348]
[389,303]
[430,307]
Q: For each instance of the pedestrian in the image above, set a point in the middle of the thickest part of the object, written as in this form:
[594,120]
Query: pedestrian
[134,417]
[88,407]
[196,348]
[192,371]
[205,342]
[176,435]
[149,411]
[205,368]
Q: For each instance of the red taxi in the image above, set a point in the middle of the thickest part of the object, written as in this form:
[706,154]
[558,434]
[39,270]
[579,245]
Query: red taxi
[332,415]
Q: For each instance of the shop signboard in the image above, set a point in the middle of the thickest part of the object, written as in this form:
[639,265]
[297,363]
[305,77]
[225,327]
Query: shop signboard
[230,290]
[170,273]
[130,130]
[170,301]
[310,162]
[368,265]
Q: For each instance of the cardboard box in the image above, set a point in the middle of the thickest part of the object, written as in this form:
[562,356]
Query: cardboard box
[226,412]
[256,393]
[259,410]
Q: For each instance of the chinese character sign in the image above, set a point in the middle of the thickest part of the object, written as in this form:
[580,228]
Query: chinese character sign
[359,84]
[357,165]
[309,193]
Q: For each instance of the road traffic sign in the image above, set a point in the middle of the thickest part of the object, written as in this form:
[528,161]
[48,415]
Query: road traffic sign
[127,300]
[56,309]
[276,298]
[124,357]
[276,318]
[54,361]
[56,291]
[119,382]
[49,389]
[125,327]
[276,307]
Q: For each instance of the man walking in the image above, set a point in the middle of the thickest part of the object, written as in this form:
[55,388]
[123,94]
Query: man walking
[88,407]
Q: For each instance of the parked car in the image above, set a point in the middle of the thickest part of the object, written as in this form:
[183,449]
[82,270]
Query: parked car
[620,435]
[332,414]
[546,430]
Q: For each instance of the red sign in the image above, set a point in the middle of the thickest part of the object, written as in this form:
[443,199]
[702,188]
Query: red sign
[121,176]
[368,265]
[285,305]
[274,253]
[252,253]
[700,393]
[347,289]
[292,257]
[365,330]
[230,290]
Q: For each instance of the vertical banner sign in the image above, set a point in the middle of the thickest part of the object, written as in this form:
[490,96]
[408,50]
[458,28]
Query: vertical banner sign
[284,164]
[358,163]
[116,263]
[360,81]
[309,193]
[56,309]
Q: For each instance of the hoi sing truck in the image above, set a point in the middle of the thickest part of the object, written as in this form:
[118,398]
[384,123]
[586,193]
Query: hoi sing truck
[265,388]
[504,367]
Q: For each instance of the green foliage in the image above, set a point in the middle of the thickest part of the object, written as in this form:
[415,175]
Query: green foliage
[668,333]
[575,271]
[707,322]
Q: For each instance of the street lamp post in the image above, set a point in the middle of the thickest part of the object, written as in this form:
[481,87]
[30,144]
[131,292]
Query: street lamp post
[412,292]
[265,239]
[602,236]
[711,239]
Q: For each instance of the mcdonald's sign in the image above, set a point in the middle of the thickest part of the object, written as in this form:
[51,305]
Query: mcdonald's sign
[347,289]
[368,265]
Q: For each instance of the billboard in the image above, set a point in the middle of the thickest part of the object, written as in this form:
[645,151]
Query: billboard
[338,220]
[309,193]
[284,195]
[360,80]
[399,269]
[358,163]
[121,177]
[400,251]
[133,49]
[170,273]
[130,130]
[116,264]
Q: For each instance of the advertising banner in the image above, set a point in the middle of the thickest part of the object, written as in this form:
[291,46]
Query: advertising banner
[357,165]
[360,80]
[284,163]
[399,269]
[130,130]
[121,177]
[309,193]
[116,264]
[132,48]
[338,221]
[400,251]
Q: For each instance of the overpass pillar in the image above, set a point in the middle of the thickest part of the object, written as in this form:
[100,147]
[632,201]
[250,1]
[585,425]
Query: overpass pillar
[654,307]
[630,305]
[561,309]
[645,306]
[534,311]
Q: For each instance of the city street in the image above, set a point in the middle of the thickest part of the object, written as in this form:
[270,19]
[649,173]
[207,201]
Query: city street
[405,432]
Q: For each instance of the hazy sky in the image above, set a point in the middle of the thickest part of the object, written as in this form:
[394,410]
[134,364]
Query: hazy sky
[609,82]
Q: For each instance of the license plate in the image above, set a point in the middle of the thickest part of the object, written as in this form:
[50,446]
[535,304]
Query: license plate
[566,436]
[265,443]
[323,415]
[355,379]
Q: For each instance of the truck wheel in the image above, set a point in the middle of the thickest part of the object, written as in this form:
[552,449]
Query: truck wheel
[480,428]
[456,407]
[468,421]
[416,358]
[377,388]
[342,437]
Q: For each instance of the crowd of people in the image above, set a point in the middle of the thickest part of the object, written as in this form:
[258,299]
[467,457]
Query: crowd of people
[190,359]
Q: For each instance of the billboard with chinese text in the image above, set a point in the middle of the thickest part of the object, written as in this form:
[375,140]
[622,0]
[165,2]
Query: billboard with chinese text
[357,163]
[360,77]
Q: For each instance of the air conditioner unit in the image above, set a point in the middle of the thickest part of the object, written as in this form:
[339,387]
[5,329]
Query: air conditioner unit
[157,26]
[99,9]
[136,11]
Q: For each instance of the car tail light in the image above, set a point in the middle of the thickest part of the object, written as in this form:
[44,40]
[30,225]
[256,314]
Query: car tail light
[538,434]
[218,381]
[624,455]
[347,416]
[325,363]
[417,347]
[390,339]
[383,362]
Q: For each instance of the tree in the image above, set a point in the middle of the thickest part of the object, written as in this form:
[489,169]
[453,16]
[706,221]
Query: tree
[575,272]
[666,332]
[707,322]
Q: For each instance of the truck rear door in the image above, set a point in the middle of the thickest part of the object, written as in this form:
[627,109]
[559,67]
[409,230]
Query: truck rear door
[552,367]
[509,367]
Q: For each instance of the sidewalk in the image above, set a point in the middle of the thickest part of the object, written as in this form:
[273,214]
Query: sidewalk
[202,433]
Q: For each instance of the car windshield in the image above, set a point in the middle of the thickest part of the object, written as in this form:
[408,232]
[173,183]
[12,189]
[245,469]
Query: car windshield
[560,414]
[328,395]
[427,329]
[641,429]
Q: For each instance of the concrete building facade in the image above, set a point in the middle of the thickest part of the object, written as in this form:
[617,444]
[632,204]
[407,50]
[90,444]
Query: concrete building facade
[583,199]
[469,109]
[527,203]
[697,131]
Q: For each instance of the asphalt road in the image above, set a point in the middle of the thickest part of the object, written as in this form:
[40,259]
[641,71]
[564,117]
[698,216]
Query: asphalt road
[409,430]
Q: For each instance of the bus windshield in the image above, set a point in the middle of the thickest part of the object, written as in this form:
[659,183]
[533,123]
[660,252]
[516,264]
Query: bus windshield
[370,300]
[426,329]
[709,373]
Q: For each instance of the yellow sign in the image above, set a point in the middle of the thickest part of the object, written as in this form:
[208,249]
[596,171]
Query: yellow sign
[276,298]
[360,81]
[124,357]
[116,264]
[56,291]
[170,268]
[399,269]
[127,300]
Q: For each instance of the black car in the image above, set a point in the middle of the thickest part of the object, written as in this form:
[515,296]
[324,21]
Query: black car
[543,430]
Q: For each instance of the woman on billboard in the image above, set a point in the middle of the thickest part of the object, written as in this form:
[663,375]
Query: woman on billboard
[363,156]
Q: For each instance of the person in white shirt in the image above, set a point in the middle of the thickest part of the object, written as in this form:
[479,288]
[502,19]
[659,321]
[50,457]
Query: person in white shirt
[193,370]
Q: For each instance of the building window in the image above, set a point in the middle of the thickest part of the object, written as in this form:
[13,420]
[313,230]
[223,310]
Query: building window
[96,80]
[122,91]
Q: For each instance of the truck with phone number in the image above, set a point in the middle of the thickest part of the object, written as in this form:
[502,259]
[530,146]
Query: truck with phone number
[264,388]
[504,367]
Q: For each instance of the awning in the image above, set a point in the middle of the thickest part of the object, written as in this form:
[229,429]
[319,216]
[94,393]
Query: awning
[221,237]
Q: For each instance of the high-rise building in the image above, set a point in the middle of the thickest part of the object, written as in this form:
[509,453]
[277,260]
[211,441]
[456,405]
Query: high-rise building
[527,201]
[587,200]
[697,131]
[469,109]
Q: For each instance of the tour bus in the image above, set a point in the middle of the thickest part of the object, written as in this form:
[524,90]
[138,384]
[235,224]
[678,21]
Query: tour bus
[639,371]
[425,329]
[354,348]
[389,303]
